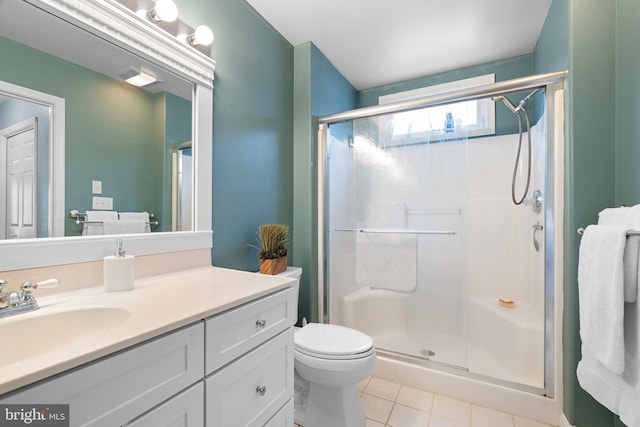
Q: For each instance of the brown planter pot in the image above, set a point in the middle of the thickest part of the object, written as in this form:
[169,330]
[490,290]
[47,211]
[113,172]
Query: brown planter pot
[273,266]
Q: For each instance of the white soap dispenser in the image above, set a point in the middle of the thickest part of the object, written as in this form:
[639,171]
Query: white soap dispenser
[119,270]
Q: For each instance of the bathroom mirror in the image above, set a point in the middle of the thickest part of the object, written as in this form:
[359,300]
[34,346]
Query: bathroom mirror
[128,152]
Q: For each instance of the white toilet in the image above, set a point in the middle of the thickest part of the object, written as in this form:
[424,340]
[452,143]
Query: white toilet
[330,361]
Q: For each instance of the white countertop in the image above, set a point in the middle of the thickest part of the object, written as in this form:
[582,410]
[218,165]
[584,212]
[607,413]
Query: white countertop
[157,305]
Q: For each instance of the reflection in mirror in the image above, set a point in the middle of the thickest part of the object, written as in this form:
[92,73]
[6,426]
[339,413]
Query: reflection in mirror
[116,134]
[181,186]
[18,168]
[109,39]
[31,163]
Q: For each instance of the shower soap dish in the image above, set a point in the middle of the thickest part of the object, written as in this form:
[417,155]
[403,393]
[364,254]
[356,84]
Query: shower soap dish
[506,302]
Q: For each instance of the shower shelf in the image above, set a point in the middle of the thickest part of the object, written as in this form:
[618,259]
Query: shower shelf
[396,231]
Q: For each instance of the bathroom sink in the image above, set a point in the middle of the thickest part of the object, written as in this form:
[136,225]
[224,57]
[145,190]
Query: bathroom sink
[35,334]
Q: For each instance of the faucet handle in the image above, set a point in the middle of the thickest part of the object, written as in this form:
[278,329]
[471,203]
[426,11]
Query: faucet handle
[29,287]
[2,283]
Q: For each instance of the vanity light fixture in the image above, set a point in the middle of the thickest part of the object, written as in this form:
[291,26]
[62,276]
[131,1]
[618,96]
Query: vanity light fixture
[141,79]
[164,10]
[201,36]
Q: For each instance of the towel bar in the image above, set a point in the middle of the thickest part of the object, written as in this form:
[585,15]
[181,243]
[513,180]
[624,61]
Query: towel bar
[74,213]
[629,233]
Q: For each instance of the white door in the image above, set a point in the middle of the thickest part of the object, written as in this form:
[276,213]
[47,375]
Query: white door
[182,188]
[18,182]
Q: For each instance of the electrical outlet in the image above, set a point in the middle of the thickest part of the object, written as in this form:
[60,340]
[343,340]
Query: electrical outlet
[96,187]
[102,203]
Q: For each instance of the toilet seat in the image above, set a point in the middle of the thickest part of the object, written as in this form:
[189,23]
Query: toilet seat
[334,342]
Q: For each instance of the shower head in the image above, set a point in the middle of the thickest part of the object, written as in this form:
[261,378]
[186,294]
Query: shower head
[508,103]
[514,109]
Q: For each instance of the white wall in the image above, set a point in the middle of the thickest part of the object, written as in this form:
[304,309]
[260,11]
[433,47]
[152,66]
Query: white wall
[463,187]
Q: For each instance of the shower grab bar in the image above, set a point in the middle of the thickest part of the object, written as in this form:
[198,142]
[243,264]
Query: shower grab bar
[396,231]
[629,233]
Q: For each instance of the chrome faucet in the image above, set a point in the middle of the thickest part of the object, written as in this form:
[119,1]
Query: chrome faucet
[14,303]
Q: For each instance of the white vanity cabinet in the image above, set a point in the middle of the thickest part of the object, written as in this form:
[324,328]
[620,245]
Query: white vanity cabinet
[117,389]
[250,363]
[233,369]
[183,410]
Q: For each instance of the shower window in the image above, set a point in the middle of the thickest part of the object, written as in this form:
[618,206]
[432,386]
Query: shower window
[476,116]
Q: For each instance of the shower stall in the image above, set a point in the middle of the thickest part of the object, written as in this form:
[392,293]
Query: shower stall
[441,242]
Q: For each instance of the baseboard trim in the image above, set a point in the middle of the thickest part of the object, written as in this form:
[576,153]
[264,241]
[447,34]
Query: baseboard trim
[564,422]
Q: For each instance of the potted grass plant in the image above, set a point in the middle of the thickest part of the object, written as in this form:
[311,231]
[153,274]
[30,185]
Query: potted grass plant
[273,253]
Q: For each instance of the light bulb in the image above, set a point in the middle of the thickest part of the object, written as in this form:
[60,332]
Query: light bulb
[202,35]
[164,10]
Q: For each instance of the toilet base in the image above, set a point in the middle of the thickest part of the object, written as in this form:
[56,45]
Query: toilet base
[332,407]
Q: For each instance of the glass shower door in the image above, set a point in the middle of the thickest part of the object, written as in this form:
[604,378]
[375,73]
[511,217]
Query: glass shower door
[396,264]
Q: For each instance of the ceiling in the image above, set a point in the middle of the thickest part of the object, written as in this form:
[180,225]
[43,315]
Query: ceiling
[377,42]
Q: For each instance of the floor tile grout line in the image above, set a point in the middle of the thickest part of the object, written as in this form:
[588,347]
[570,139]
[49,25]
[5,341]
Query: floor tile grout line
[429,412]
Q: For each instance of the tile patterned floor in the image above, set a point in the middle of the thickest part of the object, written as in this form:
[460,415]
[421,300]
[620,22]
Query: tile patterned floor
[388,404]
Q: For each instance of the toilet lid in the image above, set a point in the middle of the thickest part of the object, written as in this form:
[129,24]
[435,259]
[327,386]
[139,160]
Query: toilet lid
[331,340]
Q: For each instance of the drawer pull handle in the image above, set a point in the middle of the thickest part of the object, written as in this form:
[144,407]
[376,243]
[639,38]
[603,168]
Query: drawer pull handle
[261,323]
[261,390]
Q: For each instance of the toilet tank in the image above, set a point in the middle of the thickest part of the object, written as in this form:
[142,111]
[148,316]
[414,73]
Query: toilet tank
[294,273]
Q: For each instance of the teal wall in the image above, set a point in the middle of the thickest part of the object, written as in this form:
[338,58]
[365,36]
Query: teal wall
[627,107]
[552,49]
[104,118]
[252,127]
[590,177]
[597,42]
[319,90]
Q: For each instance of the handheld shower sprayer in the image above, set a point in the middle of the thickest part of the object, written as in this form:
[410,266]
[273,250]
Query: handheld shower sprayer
[518,110]
[506,102]
[514,109]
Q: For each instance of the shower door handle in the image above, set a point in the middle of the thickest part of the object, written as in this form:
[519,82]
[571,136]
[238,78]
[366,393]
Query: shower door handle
[536,227]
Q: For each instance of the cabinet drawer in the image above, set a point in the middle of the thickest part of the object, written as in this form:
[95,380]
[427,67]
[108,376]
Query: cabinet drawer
[237,331]
[284,417]
[250,391]
[183,410]
[117,389]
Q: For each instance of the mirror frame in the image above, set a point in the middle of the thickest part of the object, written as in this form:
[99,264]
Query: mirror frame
[115,23]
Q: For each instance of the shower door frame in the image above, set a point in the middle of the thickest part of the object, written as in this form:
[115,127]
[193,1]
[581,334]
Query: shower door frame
[551,83]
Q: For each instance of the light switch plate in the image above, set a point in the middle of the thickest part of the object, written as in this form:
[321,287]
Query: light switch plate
[96,187]
[102,203]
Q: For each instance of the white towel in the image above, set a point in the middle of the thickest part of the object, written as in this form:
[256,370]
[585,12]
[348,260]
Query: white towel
[619,393]
[137,216]
[124,226]
[386,261]
[629,217]
[632,255]
[95,220]
[601,296]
